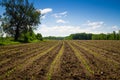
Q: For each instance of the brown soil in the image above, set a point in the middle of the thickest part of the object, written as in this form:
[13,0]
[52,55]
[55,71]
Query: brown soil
[70,68]
[33,61]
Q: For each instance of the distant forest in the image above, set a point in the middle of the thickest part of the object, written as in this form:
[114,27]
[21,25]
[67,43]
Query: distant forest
[88,36]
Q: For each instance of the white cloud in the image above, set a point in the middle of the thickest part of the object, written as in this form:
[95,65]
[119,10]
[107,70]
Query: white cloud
[59,15]
[115,27]
[43,17]
[61,21]
[59,30]
[89,27]
[63,13]
[94,25]
[46,10]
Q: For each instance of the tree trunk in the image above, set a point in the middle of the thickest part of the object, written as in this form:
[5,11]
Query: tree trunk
[16,34]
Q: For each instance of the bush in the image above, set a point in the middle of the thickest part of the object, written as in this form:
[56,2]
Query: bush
[29,36]
[39,36]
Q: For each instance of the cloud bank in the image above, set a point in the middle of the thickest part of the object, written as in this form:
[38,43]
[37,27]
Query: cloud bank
[59,30]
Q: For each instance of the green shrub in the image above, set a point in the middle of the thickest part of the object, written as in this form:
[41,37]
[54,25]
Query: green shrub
[39,36]
[29,36]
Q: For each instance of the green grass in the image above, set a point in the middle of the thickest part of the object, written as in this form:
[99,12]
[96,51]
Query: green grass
[34,41]
[10,41]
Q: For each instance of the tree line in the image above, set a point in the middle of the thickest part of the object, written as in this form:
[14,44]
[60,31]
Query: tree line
[89,36]
[110,36]
[79,36]
[53,38]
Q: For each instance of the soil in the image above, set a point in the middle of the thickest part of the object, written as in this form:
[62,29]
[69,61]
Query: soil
[33,61]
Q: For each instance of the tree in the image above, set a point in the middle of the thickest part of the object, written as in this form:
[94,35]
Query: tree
[95,37]
[1,30]
[21,16]
[1,27]
[79,36]
[114,35]
[39,36]
[54,38]
[119,34]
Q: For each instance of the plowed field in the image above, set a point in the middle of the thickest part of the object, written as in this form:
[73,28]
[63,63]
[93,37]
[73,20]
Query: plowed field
[61,60]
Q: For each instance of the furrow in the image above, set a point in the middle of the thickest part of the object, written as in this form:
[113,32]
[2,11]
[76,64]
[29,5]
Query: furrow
[108,60]
[55,63]
[26,63]
[81,58]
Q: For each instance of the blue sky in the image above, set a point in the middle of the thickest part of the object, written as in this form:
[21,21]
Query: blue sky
[64,17]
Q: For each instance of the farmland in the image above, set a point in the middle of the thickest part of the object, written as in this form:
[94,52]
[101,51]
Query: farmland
[61,60]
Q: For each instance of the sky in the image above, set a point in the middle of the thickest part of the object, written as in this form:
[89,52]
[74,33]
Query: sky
[65,17]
